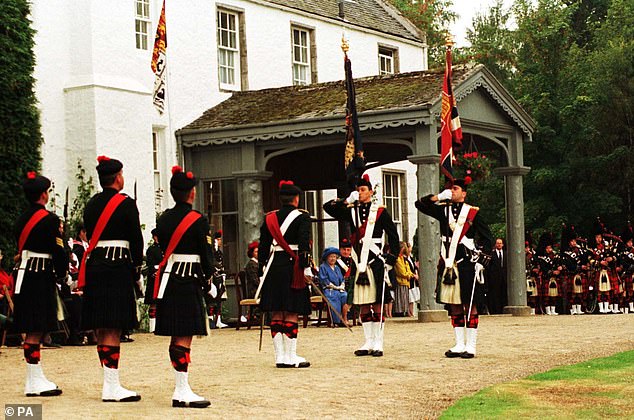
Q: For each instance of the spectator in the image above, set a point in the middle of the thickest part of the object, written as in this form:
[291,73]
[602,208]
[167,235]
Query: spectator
[331,281]
[403,276]
[349,269]
[153,257]
[251,270]
[496,279]
[414,289]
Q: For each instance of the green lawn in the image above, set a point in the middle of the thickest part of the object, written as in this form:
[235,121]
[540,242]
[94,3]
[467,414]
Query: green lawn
[596,389]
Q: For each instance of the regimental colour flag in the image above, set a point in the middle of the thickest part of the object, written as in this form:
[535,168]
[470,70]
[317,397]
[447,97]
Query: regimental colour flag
[450,129]
[354,160]
[159,62]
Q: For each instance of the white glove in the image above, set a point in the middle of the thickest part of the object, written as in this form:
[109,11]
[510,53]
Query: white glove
[140,285]
[213,292]
[444,195]
[479,273]
[388,267]
[308,272]
[69,280]
[354,196]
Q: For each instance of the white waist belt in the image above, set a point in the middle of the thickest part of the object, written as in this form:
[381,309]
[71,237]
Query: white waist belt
[188,259]
[24,259]
[113,244]
[279,248]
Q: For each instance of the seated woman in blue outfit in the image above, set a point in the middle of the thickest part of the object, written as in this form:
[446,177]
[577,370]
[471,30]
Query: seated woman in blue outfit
[331,282]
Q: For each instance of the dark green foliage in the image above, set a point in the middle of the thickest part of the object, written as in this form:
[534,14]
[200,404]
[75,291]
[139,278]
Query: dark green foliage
[85,190]
[570,63]
[20,137]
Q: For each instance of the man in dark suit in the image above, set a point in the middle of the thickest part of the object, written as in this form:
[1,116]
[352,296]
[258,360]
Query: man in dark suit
[496,279]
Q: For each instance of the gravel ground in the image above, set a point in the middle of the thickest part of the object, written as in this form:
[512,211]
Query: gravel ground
[412,380]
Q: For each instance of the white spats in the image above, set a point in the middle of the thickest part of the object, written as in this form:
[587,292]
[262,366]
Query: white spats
[183,395]
[36,383]
[112,389]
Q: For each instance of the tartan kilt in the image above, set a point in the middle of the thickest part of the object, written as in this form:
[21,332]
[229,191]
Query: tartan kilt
[629,285]
[109,300]
[277,294]
[181,311]
[36,304]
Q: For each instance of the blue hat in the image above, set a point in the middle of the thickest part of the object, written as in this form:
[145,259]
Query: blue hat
[328,251]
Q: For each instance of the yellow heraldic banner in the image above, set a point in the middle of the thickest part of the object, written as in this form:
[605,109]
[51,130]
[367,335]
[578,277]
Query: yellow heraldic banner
[159,62]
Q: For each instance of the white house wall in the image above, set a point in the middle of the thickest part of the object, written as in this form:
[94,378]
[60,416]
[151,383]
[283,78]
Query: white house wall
[94,87]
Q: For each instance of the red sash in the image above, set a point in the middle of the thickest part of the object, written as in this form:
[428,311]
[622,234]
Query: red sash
[360,233]
[26,231]
[182,227]
[274,227]
[96,234]
[467,224]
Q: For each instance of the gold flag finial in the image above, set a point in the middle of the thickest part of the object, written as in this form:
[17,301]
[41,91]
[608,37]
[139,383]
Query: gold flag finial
[344,44]
[449,40]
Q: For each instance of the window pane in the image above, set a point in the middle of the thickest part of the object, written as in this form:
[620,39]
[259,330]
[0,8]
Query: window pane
[229,195]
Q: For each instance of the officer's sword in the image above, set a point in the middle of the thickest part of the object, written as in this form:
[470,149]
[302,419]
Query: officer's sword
[320,293]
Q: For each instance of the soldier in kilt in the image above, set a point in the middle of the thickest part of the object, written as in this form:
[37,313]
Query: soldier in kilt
[606,277]
[284,290]
[627,262]
[349,270]
[153,257]
[550,271]
[460,283]
[110,269]
[42,260]
[180,307]
[369,223]
[532,277]
[576,266]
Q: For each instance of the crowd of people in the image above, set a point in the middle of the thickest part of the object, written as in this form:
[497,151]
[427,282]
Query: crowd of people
[583,274]
[97,275]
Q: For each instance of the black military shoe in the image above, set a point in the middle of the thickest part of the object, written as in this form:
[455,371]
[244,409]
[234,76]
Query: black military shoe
[452,354]
[377,353]
[467,355]
[363,352]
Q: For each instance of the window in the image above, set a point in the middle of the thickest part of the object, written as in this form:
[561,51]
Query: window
[142,23]
[301,56]
[156,167]
[388,60]
[221,198]
[392,198]
[228,50]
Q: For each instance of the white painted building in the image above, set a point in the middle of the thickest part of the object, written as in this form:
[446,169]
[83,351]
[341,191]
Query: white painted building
[94,82]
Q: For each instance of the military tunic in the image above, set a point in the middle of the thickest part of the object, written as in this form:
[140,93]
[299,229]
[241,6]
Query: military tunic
[111,272]
[277,294]
[181,311]
[36,305]
[356,216]
[466,267]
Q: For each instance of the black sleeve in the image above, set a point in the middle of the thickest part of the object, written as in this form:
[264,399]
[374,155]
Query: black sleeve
[428,207]
[304,240]
[392,236]
[338,209]
[483,233]
[60,256]
[136,237]
[205,247]
[264,248]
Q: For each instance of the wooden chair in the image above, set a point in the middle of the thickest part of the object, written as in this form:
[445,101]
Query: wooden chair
[251,304]
[323,313]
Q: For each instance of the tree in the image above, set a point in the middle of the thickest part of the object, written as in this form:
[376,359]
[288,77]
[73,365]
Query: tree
[19,119]
[433,18]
